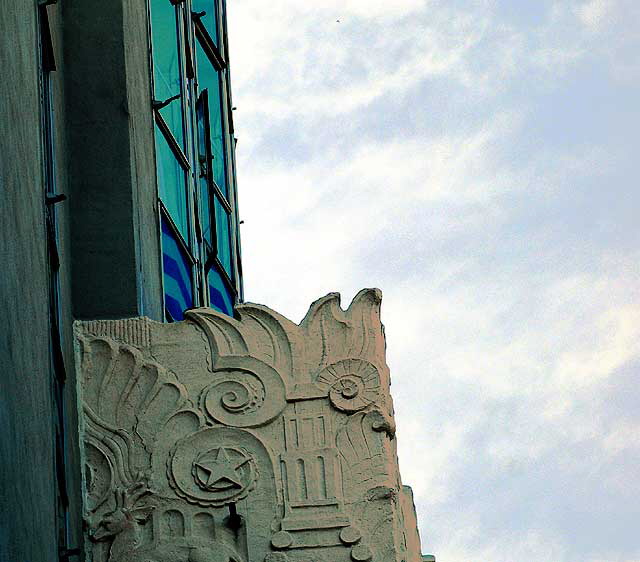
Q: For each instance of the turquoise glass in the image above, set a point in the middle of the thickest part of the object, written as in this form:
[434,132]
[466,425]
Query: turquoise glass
[172,184]
[166,64]
[210,18]
[210,79]
[223,236]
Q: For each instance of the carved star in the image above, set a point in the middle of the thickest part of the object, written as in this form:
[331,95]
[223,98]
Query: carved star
[221,472]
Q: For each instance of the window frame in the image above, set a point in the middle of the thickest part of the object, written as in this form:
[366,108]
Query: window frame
[203,255]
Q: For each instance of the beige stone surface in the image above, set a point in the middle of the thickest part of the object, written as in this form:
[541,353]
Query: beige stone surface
[247,440]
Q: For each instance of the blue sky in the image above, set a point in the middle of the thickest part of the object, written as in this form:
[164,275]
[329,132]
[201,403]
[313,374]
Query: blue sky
[477,161]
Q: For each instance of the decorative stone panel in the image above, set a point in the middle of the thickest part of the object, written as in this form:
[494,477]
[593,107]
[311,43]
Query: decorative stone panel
[248,439]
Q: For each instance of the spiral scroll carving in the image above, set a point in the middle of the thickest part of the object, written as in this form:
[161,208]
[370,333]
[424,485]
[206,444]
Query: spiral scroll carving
[240,392]
[244,392]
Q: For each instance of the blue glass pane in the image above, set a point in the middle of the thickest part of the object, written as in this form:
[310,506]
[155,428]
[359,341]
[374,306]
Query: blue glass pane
[210,79]
[172,184]
[223,236]
[178,295]
[219,296]
[166,64]
[210,19]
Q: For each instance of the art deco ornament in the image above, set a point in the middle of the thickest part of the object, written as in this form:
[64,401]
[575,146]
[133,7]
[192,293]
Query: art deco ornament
[248,439]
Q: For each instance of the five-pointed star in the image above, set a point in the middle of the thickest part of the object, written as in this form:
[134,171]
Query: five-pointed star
[221,470]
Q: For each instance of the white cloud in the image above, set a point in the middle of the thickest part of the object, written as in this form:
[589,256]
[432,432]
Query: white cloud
[594,13]
[507,262]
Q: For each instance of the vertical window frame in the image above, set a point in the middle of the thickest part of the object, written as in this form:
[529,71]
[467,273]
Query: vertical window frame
[191,30]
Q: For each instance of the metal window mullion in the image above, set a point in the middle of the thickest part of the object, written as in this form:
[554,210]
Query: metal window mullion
[230,153]
[237,258]
[199,242]
[209,255]
[208,46]
[217,264]
[171,141]
[156,115]
[165,215]
[232,143]
[161,260]
[220,6]
[230,175]
[223,200]
[189,107]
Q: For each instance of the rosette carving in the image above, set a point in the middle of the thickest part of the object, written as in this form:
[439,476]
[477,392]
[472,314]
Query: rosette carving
[243,392]
[352,384]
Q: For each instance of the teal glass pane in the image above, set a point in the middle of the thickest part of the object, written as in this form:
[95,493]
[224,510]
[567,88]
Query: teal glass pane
[172,184]
[220,297]
[210,79]
[223,236]
[166,64]
[210,19]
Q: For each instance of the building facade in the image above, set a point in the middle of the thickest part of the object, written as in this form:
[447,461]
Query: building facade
[118,201]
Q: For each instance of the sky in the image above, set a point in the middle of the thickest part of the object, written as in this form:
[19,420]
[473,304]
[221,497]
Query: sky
[478,162]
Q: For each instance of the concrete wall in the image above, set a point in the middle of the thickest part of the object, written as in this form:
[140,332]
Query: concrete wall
[108,237]
[142,159]
[27,484]
[115,251]
[72,449]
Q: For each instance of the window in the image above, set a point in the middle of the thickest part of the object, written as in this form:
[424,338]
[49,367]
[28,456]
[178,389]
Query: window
[194,156]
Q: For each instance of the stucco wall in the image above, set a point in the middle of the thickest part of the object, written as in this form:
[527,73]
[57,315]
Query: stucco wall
[141,157]
[72,464]
[27,490]
[115,238]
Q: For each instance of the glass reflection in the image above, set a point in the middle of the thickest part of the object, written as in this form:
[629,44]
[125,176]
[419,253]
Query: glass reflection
[166,64]
[210,79]
[172,184]
[220,297]
[210,18]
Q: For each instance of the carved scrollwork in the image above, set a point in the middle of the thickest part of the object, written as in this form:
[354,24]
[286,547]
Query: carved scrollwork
[365,461]
[98,475]
[352,384]
[244,392]
[107,460]
[123,389]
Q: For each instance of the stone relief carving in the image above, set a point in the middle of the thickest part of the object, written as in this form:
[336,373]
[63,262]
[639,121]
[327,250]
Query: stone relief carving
[243,439]
[236,395]
[352,384]
[210,476]
[124,522]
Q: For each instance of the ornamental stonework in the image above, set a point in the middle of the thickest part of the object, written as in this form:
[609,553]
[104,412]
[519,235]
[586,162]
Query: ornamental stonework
[247,439]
